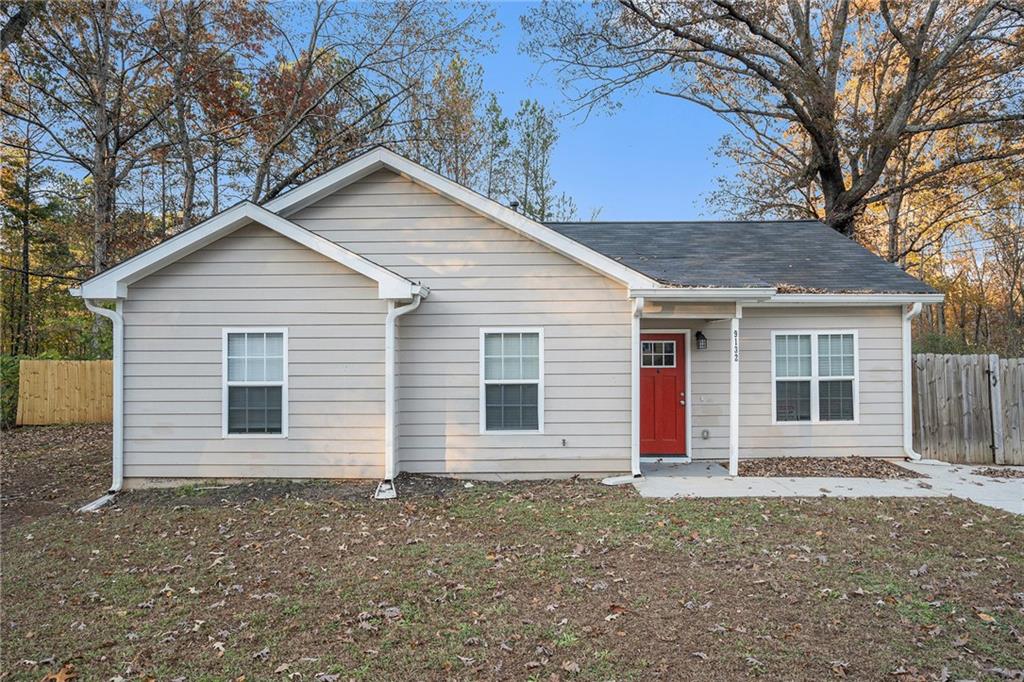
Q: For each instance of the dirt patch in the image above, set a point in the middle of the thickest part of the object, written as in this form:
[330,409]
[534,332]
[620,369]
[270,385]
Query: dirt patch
[48,469]
[211,494]
[998,472]
[813,467]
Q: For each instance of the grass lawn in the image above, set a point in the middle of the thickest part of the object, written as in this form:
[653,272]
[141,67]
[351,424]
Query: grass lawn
[546,581]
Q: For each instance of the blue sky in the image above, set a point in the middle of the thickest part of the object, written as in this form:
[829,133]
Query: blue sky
[650,159]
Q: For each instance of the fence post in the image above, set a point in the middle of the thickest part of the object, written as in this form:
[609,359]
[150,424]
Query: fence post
[995,402]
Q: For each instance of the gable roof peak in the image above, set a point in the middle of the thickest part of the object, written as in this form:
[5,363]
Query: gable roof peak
[113,283]
[380,157]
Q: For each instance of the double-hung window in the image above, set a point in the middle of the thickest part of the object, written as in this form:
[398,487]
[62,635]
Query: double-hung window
[512,380]
[255,387]
[814,376]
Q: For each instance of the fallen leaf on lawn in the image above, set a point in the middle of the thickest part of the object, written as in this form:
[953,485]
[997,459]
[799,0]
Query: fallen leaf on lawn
[571,667]
[281,668]
[219,646]
[66,672]
[986,617]
[839,668]
[700,654]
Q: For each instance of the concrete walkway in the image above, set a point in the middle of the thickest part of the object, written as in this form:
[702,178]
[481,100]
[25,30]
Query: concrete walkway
[710,479]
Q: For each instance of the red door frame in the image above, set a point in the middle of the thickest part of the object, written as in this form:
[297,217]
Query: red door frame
[663,396]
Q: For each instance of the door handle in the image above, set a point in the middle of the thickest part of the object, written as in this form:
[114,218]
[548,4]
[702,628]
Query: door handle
[682,402]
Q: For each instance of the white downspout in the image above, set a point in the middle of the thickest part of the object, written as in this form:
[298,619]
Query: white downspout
[117,482]
[634,400]
[908,399]
[386,488]
[638,312]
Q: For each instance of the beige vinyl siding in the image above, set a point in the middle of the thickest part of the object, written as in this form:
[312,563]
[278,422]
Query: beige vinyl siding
[483,275]
[880,428]
[173,352]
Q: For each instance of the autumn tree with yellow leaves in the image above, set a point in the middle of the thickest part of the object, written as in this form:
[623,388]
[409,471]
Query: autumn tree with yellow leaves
[897,123]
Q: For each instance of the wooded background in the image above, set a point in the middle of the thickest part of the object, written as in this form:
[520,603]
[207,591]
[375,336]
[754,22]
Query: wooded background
[897,123]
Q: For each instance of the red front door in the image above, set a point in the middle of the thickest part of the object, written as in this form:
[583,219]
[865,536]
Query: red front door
[662,394]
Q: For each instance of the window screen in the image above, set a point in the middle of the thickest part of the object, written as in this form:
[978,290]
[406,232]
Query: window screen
[512,372]
[815,377]
[255,382]
[792,360]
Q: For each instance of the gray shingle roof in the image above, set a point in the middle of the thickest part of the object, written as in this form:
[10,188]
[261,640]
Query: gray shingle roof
[794,256]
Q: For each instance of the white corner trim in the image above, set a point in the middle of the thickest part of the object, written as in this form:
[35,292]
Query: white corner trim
[382,158]
[114,282]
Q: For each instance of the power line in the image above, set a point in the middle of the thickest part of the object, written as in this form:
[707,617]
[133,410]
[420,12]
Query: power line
[32,273]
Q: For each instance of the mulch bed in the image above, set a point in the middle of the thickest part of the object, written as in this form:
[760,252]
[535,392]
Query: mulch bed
[997,472]
[817,467]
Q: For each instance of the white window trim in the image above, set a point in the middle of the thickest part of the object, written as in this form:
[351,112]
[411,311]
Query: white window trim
[225,383]
[539,331]
[815,377]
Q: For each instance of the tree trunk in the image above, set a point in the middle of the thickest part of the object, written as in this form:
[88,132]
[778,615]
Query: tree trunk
[163,196]
[892,211]
[216,177]
[21,344]
[184,141]
[103,227]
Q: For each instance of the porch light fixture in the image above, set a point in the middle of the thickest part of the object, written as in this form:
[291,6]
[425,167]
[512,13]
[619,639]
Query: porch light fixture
[702,341]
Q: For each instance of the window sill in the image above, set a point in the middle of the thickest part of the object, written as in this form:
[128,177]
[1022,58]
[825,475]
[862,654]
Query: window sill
[523,432]
[813,423]
[254,435]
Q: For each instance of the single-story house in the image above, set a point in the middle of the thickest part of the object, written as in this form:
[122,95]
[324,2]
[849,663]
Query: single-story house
[381,318]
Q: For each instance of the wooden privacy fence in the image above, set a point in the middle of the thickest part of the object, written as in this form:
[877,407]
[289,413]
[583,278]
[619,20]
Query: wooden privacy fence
[969,408]
[65,391]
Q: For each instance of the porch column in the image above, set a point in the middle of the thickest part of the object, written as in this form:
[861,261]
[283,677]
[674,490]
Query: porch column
[634,387]
[734,392]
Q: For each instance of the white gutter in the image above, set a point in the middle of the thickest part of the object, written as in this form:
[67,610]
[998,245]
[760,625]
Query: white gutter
[386,488]
[908,399]
[705,293]
[117,482]
[848,299]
